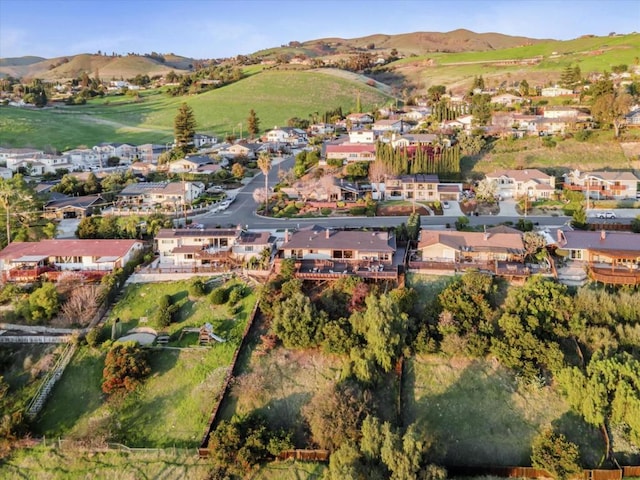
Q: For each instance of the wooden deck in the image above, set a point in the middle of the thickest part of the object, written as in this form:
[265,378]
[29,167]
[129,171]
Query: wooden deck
[328,270]
[617,276]
[504,269]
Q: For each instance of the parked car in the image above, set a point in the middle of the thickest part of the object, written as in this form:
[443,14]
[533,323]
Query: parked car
[606,215]
[445,204]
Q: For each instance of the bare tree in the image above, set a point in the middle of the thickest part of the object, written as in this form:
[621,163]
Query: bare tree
[82,305]
[378,171]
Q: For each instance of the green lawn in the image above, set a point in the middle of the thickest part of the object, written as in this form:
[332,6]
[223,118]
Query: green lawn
[171,407]
[482,415]
[290,471]
[48,463]
[140,301]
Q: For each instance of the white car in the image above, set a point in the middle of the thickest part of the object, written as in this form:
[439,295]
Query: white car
[609,215]
[445,204]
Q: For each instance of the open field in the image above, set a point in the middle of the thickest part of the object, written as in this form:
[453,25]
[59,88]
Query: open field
[482,415]
[601,152]
[290,471]
[49,464]
[275,96]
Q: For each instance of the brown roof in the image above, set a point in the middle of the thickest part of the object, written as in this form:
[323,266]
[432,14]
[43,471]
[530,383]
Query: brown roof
[613,241]
[520,175]
[196,232]
[473,241]
[69,247]
[342,240]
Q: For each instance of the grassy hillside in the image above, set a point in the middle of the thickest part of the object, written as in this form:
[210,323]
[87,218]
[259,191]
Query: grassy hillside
[274,95]
[592,54]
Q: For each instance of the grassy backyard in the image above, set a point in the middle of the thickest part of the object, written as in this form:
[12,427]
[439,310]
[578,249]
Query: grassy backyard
[483,415]
[48,463]
[172,406]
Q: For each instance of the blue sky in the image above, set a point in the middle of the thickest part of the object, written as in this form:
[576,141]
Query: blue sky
[222,28]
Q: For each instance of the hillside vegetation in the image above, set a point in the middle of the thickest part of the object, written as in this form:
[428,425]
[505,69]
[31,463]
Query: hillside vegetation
[275,96]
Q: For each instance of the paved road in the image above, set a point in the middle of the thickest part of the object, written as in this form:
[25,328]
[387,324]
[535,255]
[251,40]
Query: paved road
[243,212]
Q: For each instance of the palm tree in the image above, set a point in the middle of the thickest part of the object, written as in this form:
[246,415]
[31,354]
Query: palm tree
[264,163]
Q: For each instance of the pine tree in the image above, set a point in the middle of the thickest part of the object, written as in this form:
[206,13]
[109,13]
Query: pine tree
[184,128]
[253,124]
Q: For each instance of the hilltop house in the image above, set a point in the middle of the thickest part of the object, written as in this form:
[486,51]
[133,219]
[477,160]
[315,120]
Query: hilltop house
[27,261]
[190,164]
[125,152]
[287,136]
[350,152]
[517,183]
[72,207]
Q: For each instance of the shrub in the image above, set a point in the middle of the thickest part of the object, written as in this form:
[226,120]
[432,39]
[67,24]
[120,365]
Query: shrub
[236,295]
[357,211]
[549,142]
[582,135]
[93,337]
[124,368]
[325,211]
[219,296]
[197,288]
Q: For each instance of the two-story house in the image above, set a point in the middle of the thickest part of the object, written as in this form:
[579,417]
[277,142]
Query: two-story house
[531,183]
[168,194]
[420,188]
[287,136]
[598,185]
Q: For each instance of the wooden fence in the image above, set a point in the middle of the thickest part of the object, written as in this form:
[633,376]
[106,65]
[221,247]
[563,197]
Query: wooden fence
[305,455]
[203,450]
[530,472]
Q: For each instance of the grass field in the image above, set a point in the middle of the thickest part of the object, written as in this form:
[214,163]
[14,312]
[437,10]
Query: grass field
[290,471]
[52,464]
[482,415]
[275,96]
[601,152]
[170,409]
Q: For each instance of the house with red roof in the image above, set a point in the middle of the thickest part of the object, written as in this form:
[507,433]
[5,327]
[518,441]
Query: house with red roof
[28,261]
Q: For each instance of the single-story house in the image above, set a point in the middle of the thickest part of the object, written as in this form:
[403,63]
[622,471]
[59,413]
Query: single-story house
[27,261]
[350,152]
[339,245]
[190,164]
[72,207]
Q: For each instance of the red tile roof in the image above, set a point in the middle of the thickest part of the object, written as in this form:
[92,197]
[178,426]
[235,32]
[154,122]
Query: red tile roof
[69,247]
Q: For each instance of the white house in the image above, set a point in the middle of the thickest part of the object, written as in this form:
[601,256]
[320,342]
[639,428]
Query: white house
[362,136]
[517,183]
[555,91]
[287,135]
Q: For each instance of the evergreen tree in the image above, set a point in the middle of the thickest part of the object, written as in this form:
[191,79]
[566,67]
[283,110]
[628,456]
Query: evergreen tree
[253,124]
[184,128]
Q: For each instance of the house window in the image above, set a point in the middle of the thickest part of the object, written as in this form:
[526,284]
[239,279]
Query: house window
[248,248]
[188,256]
[576,254]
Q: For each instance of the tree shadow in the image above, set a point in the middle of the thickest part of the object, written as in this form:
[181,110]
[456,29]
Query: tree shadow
[475,418]
[587,437]
[286,413]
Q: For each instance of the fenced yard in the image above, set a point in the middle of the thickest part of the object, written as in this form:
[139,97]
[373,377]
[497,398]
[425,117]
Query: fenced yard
[483,415]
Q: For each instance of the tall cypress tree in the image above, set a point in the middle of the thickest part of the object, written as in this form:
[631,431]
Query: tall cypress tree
[184,128]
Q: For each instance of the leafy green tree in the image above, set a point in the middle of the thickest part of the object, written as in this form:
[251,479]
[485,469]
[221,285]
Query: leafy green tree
[413,227]
[523,88]
[184,128]
[44,302]
[609,109]
[535,318]
[435,93]
[579,218]
[253,124]
[358,169]
[383,328]
[635,224]
[481,108]
[554,453]
[346,464]
[570,77]
[296,321]
[18,206]
[237,170]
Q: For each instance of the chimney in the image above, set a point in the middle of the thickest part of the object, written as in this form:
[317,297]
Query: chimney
[326,234]
[603,235]
[561,238]
[486,234]
[286,235]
